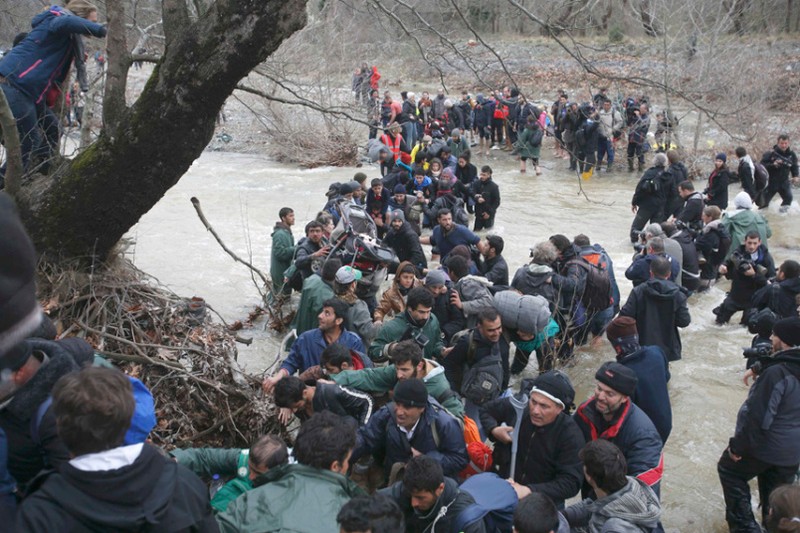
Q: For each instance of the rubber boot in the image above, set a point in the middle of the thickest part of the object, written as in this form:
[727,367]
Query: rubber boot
[641,166]
[609,168]
[630,164]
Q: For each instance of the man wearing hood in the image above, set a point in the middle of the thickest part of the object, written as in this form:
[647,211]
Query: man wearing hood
[744,220]
[393,300]
[107,485]
[781,163]
[764,444]
[652,372]
[659,308]
[405,241]
[548,438]
[471,293]
[623,503]
[282,250]
[430,501]
[451,319]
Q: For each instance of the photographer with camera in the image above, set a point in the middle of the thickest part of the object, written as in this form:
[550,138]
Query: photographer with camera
[416,322]
[780,162]
[780,297]
[748,268]
[764,444]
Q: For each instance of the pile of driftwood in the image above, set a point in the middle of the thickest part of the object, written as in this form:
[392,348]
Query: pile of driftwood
[188,361]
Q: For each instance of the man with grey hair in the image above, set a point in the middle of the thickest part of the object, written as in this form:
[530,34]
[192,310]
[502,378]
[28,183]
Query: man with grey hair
[671,246]
[532,279]
[639,271]
[649,199]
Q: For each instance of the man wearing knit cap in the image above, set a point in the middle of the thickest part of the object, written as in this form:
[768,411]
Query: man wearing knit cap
[404,241]
[610,414]
[549,439]
[406,203]
[652,372]
[404,429]
[765,443]
[451,318]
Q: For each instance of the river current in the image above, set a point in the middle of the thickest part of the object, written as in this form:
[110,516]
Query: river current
[241,196]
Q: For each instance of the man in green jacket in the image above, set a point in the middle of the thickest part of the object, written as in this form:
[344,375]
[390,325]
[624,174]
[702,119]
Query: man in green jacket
[303,497]
[282,250]
[407,363]
[240,466]
[415,323]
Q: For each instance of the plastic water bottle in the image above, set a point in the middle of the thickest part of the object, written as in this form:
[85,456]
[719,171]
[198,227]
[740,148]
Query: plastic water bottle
[216,484]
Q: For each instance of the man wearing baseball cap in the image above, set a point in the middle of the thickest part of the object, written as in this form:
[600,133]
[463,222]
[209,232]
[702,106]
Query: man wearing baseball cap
[357,319]
[549,439]
[765,443]
[403,429]
[610,414]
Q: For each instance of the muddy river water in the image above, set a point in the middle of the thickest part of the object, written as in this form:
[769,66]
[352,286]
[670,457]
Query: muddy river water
[241,196]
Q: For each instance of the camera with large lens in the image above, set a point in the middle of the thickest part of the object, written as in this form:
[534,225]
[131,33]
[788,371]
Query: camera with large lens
[757,351]
[745,265]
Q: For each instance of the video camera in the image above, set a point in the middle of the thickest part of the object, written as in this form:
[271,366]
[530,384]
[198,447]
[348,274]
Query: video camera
[755,352]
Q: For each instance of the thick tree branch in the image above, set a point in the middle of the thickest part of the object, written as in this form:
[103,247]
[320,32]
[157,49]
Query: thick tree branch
[174,18]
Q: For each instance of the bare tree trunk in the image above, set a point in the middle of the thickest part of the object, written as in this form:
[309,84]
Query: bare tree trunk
[87,208]
[115,109]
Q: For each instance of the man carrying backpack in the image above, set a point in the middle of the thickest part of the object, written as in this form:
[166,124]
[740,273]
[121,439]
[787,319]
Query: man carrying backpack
[781,163]
[649,199]
[475,366]
[430,501]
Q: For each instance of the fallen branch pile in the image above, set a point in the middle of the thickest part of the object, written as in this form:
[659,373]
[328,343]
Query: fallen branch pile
[202,397]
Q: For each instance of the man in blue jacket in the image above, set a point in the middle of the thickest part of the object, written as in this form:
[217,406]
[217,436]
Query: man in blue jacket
[43,59]
[651,368]
[610,414]
[413,424]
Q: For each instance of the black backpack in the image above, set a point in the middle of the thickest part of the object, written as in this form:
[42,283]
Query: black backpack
[652,184]
[760,176]
[597,292]
[483,379]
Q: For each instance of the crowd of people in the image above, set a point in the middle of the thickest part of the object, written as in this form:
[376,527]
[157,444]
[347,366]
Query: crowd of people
[403,393]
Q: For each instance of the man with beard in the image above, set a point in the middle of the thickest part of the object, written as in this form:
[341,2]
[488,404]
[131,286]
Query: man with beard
[447,235]
[406,363]
[414,323]
[312,250]
[610,414]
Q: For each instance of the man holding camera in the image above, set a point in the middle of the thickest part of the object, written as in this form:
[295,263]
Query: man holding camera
[767,431]
[748,268]
[416,322]
[780,162]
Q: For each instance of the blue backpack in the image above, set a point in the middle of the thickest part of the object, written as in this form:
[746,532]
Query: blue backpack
[495,503]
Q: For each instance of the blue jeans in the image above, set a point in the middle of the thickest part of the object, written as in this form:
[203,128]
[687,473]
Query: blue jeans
[605,146]
[409,133]
[24,110]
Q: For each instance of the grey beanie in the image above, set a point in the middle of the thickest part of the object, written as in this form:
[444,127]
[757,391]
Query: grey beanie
[455,131]
[435,278]
[397,214]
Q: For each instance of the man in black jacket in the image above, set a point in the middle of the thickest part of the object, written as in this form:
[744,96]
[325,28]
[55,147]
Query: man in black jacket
[748,268]
[305,400]
[486,194]
[764,444]
[426,498]
[548,438]
[781,164]
[451,318]
[494,266]
[659,307]
[404,241]
[692,211]
[649,199]
[107,486]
